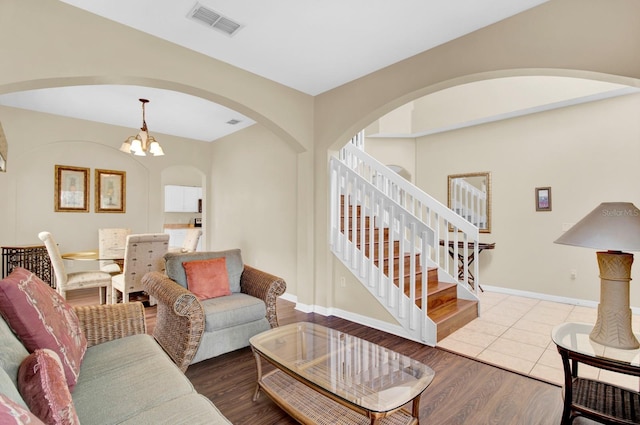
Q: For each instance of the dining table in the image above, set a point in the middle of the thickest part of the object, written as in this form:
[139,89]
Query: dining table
[117,256]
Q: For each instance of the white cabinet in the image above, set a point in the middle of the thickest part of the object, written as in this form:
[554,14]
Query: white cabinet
[181,198]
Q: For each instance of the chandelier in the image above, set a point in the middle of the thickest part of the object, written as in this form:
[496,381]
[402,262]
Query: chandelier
[142,142]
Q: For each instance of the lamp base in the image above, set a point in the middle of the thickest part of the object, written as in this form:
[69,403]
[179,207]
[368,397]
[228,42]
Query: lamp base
[613,326]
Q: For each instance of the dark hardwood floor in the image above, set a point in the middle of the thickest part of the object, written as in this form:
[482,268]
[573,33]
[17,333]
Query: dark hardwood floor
[464,391]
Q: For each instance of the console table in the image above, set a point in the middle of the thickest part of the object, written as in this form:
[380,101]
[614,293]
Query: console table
[470,258]
[590,398]
[34,258]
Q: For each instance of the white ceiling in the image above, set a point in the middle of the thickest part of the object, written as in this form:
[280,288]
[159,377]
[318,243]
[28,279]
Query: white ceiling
[309,45]
[167,112]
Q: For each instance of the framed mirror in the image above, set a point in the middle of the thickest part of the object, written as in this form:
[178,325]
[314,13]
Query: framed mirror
[4,147]
[469,195]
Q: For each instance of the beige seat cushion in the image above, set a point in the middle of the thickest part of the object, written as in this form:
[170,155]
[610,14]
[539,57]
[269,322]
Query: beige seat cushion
[232,310]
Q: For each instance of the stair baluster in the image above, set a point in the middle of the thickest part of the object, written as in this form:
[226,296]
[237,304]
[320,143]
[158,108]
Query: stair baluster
[389,237]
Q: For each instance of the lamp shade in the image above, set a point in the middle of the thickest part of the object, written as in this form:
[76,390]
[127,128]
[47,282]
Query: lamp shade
[613,226]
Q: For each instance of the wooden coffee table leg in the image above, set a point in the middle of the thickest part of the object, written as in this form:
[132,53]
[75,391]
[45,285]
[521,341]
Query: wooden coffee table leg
[415,408]
[259,370]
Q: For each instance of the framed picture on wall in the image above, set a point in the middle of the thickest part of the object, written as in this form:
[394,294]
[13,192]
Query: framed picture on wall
[543,199]
[71,188]
[111,191]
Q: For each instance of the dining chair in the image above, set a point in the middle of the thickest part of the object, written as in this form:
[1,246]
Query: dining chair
[190,243]
[76,280]
[143,253]
[111,243]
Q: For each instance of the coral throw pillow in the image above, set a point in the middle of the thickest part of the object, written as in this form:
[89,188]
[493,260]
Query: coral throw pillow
[43,387]
[42,319]
[11,413]
[207,278]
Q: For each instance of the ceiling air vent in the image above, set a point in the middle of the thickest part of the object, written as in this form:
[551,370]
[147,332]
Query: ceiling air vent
[213,19]
[233,121]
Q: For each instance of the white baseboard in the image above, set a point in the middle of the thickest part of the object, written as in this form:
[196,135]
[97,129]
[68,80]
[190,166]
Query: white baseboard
[289,297]
[352,317]
[547,297]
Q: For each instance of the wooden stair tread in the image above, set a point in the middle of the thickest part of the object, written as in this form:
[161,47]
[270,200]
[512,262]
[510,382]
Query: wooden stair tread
[450,309]
[438,294]
[438,286]
[434,287]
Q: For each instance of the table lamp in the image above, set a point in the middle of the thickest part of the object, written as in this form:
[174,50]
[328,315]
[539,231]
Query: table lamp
[614,227]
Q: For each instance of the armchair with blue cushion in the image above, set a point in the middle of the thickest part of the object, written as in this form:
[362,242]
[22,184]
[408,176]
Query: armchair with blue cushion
[192,329]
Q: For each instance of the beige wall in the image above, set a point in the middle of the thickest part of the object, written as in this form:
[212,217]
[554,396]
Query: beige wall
[253,201]
[235,216]
[586,154]
[43,49]
[37,142]
[400,152]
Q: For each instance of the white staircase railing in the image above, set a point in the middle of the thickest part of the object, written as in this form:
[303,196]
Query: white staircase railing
[418,226]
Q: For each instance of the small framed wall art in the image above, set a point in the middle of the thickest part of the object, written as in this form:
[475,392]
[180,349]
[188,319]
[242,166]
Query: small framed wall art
[71,186]
[111,191]
[543,199]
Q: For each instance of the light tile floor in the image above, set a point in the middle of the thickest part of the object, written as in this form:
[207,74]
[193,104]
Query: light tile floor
[515,333]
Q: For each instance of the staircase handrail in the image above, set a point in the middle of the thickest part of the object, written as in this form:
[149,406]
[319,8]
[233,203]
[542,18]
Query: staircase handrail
[350,151]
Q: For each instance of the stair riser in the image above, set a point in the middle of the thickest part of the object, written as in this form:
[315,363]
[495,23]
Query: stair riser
[396,264]
[385,250]
[442,297]
[367,232]
[452,324]
[438,293]
[407,283]
[350,224]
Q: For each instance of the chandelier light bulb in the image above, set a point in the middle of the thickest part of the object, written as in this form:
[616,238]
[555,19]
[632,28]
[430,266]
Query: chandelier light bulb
[142,143]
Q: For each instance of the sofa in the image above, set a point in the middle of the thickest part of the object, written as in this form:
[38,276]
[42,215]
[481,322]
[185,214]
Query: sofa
[192,327]
[122,376]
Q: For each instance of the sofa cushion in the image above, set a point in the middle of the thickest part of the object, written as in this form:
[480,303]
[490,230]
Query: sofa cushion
[192,409]
[207,278]
[43,386]
[42,319]
[226,340]
[236,309]
[235,266]
[9,389]
[12,413]
[12,353]
[124,377]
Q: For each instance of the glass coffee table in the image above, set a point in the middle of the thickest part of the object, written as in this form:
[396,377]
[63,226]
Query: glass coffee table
[324,376]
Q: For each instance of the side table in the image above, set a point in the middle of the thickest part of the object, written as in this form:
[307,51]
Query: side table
[597,400]
[34,258]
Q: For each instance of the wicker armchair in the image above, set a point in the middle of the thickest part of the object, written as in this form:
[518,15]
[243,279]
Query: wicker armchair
[180,318]
[107,322]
